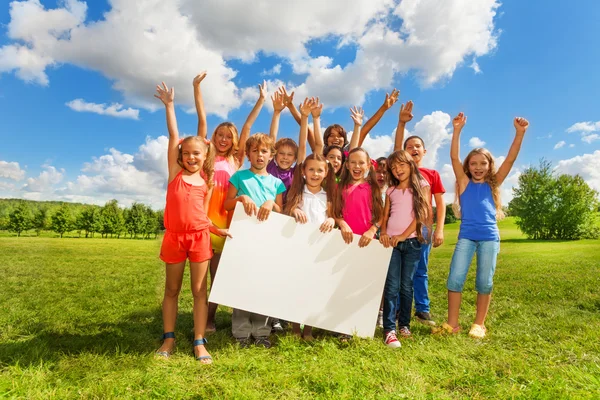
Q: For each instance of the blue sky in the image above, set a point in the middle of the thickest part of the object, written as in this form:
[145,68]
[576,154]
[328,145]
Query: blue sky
[539,64]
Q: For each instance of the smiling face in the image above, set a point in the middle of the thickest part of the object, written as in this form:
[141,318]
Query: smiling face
[358,165]
[335,159]
[336,136]
[381,174]
[401,171]
[223,140]
[416,149]
[315,171]
[259,157]
[285,157]
[193,155]
[479,167]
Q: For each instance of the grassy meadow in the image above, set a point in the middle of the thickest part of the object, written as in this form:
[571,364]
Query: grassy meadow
[81,319]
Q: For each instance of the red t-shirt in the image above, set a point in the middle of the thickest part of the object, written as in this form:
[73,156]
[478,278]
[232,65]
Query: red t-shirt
[434,179]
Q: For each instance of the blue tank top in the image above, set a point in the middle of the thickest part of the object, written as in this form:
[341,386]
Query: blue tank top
[478,212]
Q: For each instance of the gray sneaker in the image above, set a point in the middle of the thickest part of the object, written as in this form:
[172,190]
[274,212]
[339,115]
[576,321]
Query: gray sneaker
[263,341]
[424,318]
[244,342]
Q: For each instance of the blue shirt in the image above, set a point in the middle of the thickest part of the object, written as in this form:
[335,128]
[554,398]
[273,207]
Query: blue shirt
[260,188]
[478,213]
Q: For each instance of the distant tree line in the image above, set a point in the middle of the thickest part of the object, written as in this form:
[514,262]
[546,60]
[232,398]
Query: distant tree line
[139,220]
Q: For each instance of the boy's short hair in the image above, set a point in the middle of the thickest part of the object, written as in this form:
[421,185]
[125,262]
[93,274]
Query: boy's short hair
[259,139]
[413,137]
[287,142]
[382,163]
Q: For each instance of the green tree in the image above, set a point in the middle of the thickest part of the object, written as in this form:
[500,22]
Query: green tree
[89,220]
[151,226]
[40,220]
[19,219]
[61,220]
[112,219]
[450,217]
[554,207]
[135,219]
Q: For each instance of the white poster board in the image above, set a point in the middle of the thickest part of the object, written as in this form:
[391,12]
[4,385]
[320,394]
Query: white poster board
[294,272]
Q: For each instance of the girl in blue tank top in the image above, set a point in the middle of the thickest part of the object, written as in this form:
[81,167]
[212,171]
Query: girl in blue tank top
[478,191]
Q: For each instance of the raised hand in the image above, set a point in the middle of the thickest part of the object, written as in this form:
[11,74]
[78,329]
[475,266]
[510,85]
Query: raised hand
[459,121]
[164,94]
[287,98]
[262,90]
[390,99]
[357,114]
[521,125]
[406,112]
[278,104]
[305,108]
[316,108]
[199,78]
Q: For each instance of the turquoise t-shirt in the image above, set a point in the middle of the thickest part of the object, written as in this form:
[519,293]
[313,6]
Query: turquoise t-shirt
[260,188]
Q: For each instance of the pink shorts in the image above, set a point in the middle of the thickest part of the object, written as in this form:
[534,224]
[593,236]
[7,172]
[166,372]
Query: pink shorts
[177,247]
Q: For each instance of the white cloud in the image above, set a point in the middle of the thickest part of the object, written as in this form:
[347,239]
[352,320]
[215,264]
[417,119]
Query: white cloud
[113,110]
[586,165]
[276,70]
[476,142]
[584,127]
[590,138]
[49,177]
[139,43]
[571,145]
[433,130]
[559,144]
[475,66]
[11,170]
[379,146]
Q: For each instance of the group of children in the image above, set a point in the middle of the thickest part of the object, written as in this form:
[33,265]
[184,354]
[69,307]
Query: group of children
[337,186]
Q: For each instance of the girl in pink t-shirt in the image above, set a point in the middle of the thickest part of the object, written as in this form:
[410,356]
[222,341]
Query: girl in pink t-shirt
[406,211]
[357,203]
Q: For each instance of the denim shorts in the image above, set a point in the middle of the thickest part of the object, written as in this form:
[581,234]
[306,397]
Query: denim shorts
[487,254]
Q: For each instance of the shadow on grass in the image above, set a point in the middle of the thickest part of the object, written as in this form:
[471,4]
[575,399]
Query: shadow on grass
[136,334]
[531,241]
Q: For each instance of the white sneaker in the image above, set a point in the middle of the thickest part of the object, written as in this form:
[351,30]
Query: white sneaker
[391,340]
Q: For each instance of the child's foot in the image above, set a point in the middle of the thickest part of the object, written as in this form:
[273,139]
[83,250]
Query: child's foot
[391,340]
[210,327]
[425,318]
[296,330]
[263,341]
[243,342]
[404,332]
[345,338]
[167,347]
[445,329]
[380,319]
[200,352]
[477,331]
[276,326]
[307,334]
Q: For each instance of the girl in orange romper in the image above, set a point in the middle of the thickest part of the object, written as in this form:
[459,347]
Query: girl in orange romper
[188,228]
[228,159]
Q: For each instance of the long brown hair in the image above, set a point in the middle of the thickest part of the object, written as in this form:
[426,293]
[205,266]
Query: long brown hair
[490,178]
[208,166]
[345,179]
[340,129]
[420,204]
[230,154]
[294,196]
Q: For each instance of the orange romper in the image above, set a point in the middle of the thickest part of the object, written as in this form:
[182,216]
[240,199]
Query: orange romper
[187,234]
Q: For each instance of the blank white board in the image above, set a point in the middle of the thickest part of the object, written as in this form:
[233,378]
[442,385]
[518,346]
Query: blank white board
[294,272]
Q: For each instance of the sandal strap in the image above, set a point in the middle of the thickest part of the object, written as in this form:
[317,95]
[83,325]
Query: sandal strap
[203,358]
[168,335]
[199,342]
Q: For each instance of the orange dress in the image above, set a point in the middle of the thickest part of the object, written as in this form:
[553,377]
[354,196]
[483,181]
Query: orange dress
[216,210]
[187,225]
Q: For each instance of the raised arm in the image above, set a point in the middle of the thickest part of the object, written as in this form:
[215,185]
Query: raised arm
[262,90]
[305,109]
[458,123]
[316,110]
[278,107]
[389,101]
[357,114]
[404,117]
[521,125]
[202,127]
[288,100]
[167,97]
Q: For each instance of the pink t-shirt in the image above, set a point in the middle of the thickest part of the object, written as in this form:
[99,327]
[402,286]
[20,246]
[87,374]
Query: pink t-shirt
[401,210]
[358,205]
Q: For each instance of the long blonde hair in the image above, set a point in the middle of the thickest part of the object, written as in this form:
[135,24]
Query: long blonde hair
[490,178]
[208,166]
[230,154]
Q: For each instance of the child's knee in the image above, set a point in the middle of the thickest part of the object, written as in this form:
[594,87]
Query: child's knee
[172,292]
[455,283]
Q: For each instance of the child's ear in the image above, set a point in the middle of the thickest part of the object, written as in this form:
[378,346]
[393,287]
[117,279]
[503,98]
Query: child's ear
[424,151]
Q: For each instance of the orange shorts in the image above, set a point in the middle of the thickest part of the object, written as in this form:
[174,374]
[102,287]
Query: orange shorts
[177,247]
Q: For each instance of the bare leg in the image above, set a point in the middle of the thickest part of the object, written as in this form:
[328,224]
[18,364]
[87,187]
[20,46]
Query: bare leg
[174,276]
[483,305]
[307,333]
[212,307]
[296,329]
[198,272]
[454,299]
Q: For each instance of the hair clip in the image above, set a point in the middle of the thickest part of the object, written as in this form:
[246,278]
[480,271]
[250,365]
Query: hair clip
[206,142]
[180,141]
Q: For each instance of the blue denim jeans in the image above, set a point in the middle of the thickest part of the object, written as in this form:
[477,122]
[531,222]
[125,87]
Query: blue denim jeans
[421,280]
[487,254]
[405,257]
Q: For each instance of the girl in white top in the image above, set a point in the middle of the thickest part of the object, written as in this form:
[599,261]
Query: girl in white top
[307,201]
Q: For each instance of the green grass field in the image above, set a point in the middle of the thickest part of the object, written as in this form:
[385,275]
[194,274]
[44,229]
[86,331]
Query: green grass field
[81,319]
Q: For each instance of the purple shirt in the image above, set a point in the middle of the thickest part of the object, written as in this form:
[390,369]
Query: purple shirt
[286,175]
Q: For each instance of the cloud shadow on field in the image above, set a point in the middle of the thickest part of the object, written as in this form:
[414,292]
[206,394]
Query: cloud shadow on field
[138,334]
